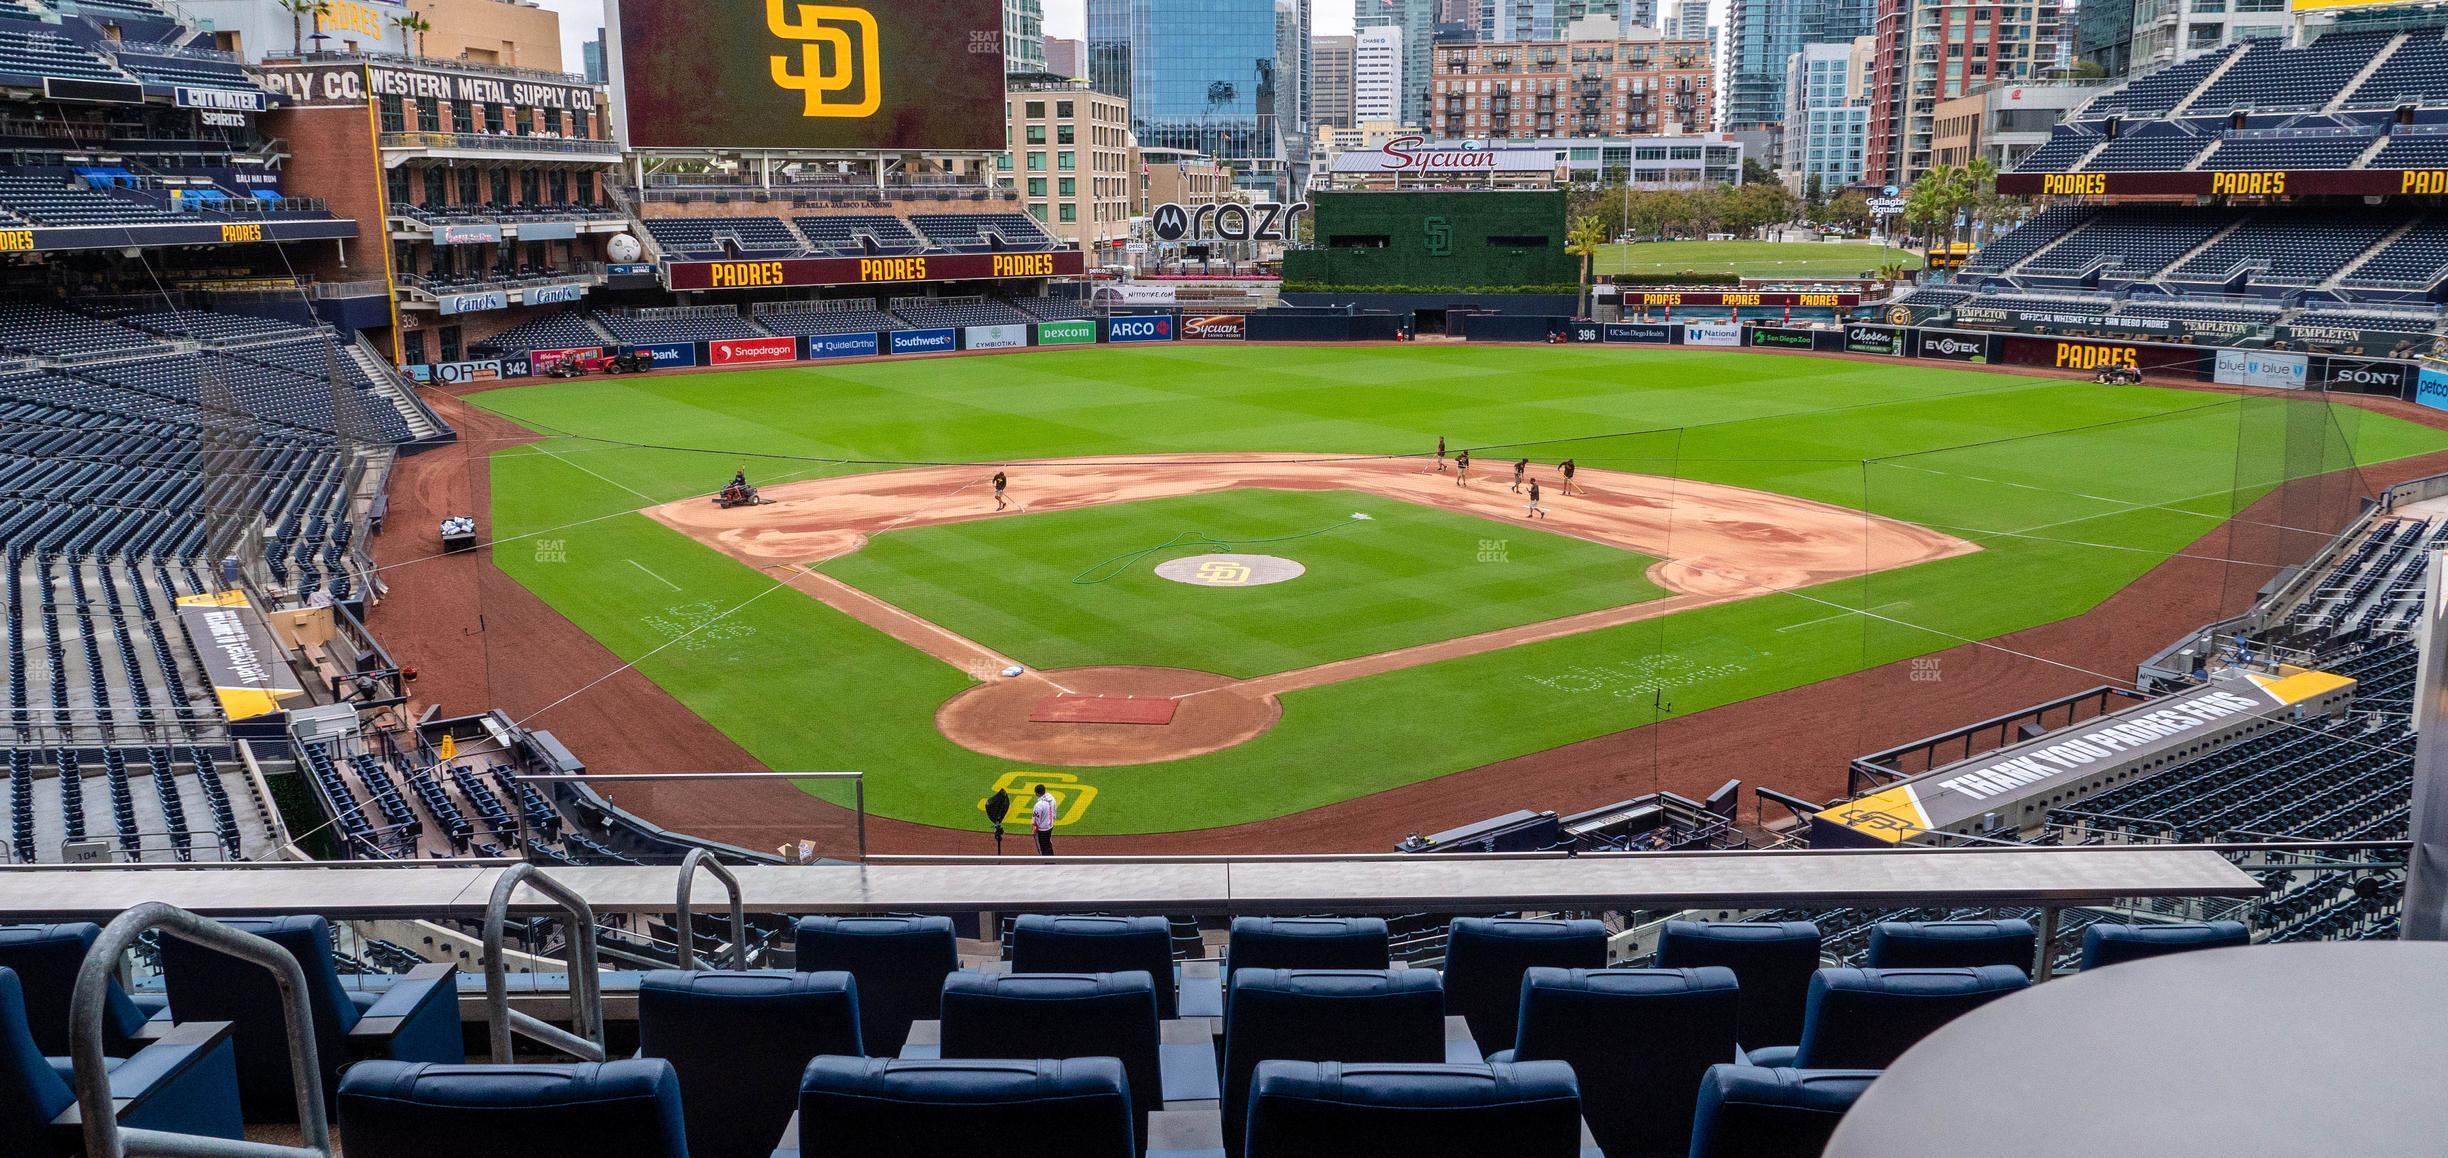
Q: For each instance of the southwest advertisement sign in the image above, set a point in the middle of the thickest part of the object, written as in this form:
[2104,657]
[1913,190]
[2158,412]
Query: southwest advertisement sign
[1147,328]
[1644,333]
[241,661]
[925,341]
[669,354]
[866,75]
[1078,332]
[2261,368]
[842,346]
[2241,183]
[1215,328]
[805,271]
[751,351]
[1782,339]
[994,337]
[1712,334]
[1873,340]
[1944,346]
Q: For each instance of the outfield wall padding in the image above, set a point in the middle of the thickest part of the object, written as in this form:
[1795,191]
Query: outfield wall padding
[1314,327]
[1513,327]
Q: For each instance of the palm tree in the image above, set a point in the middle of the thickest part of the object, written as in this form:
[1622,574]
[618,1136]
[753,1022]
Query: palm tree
[298,11]
[413,29]
[1583,239]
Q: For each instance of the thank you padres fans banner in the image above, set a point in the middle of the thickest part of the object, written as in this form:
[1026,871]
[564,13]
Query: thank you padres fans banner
[245,667]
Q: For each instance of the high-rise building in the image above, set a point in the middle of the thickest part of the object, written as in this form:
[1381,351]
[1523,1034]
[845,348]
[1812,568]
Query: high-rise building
[1624,13]
[1070,160]
[592,59]
[1066,57]
[1531,90]
[1225,78]
[1931,51]
[1330,80]
[1377,75]
[1827,115]
[1517,20]
[1024,36]
[1418,21]
[1761,35]
[2127,37]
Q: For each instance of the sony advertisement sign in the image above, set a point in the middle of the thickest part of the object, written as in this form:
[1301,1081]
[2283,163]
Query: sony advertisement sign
[2363,377]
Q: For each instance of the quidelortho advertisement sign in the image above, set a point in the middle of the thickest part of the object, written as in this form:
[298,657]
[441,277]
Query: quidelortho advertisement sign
[842,346]
[1645,333]
[942,341]
[2261,368]
[1952,347]
[994,337]
[1146,328]
[1712,334]
[1078,332]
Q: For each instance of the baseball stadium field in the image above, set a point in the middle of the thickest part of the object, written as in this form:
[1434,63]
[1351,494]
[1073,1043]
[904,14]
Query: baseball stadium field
[1742,524]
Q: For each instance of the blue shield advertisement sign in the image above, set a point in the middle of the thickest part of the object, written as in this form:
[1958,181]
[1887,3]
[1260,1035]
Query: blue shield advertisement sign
[925,341]
[670,354]
[1146,328]
[841,346]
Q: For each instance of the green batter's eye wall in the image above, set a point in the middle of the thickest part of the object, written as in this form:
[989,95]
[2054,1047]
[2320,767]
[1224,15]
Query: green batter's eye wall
[1463,240]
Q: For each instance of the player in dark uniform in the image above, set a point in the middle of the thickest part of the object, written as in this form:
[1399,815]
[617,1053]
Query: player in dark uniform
[1440,454]
[1519,468]
[1537,511]
[1462,468]
[999,483]
[1568,476]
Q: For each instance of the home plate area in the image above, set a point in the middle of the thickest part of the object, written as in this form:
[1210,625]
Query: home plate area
[1067,708]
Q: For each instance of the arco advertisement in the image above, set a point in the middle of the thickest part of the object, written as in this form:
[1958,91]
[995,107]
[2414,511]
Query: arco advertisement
[1145,328]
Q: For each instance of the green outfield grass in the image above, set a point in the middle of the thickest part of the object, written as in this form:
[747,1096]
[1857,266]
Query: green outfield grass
[2073,490]
[1766,259]
[1063,590]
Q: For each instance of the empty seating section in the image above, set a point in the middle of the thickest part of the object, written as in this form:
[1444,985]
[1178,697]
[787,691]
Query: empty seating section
[2150,147]
[2413,325]
[155,68]
[2412,151]
[42,196]
[30,51]
[973,232]
[682,324]
[2137,242]
[2027,239]
[2289,151]
[2417,71]
[800,323]
[2292,247]
[711,235]
[2241,317]
[34,328]
[2275,78]
[2416,259]
[2063,149]
[209,326]
[852,234]
[1050,309]
[2156,94]
[562,331]
[958,312]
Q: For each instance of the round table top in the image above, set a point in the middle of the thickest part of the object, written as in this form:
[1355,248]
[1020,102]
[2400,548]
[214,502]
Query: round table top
[2320,1048]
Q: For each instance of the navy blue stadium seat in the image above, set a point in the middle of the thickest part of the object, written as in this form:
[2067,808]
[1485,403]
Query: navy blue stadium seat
[206,984]
[414,1110]
[1485,958]
[1520,1110]
[1352,1015]
[47,959]
[1042,944]
[1060,1015]
[1774,962]
[900,963]
[1753,1112]
[185,1084]
[1951,944]
[1863,1019]
[739,1042]
[1642,1037]
[1307,943]
[867,1107]
[2108,944]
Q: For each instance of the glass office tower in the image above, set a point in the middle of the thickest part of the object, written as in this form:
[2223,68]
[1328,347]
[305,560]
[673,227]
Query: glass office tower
[1221,77]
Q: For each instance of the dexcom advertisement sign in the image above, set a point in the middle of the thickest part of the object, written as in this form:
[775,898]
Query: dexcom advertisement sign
[1079,332]
[1148,328]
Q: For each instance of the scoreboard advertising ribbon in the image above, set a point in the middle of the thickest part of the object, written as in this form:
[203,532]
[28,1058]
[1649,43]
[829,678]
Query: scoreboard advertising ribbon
[241,661]
[808,271]
[792,74]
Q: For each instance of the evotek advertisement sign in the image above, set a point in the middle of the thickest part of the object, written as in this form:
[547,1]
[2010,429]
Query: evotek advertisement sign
[751,351]
[1951,347]
[1416,155]
[994,337]
[1226,221]
[742,275]
[1712,334]
[794,74]
[1077,332]
[1644,333]
[1873,340]
[1215,328]
[942,341]
[2261,368]
[842,346]
[1148,328]
[1782,339]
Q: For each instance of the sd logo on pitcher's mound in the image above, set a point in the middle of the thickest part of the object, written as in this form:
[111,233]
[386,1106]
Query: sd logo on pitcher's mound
[1230,570]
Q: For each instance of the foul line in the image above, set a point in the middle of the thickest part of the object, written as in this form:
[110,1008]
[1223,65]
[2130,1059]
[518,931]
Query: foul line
[657,578]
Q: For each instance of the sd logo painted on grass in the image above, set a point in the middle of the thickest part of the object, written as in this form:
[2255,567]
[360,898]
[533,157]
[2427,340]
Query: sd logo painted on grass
[1071,798]
[1230,570]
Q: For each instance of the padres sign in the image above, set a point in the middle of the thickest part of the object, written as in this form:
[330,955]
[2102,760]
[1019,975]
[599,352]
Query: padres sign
[1230,570]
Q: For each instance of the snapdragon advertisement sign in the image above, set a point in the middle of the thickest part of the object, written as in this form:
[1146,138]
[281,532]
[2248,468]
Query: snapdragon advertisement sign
[925,341]
[842,346]
[1151,328]
[994,337]
[1080,332]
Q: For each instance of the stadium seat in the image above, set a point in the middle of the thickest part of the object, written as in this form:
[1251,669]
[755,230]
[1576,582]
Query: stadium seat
[1042,944]
[416,1020]
[900,963]
[1773,961]
[1351,1015]
[1307,943]
[47,959]
[1059,1015]
[1951,944]
[1641,1037]
[865,1107]
[2109,944]
[1485,958]
[186,1083]
[1752,1112]
[1866,1018]
[1300,1109]
[393,1109]
[739,1042]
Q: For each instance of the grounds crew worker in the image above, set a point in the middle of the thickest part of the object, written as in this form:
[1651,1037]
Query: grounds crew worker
[1041,818]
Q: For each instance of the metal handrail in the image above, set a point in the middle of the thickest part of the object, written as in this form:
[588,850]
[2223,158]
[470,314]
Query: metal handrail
[585,984]
[685,938]
[103,1136]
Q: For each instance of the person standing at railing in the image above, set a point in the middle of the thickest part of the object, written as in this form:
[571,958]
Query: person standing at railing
[1041,819]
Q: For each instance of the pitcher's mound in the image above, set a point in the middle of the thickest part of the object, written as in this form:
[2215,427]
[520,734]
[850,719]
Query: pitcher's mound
[1098,716]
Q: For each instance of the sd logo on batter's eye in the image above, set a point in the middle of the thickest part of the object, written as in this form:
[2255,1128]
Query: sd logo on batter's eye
[837,64]
[1223,573]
